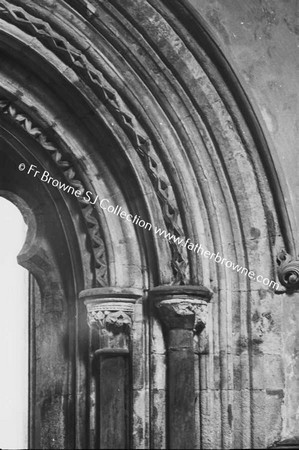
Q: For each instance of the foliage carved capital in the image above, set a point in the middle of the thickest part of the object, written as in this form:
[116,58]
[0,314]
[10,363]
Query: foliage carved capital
[114,317]
[182,307]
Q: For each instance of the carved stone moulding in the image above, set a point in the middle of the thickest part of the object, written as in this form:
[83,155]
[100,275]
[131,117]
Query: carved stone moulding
[110,308]
[71,174]
[96,79]
[288,271]
[182,307]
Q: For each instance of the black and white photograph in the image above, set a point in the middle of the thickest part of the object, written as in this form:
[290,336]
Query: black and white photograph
[149,233]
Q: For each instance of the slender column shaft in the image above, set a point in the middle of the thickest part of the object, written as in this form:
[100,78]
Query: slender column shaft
[109,312]
[182,310]
[113,401]
[181,389]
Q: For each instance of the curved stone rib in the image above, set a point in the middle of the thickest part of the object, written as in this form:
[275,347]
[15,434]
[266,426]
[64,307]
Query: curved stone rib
[114,103]
[97,243]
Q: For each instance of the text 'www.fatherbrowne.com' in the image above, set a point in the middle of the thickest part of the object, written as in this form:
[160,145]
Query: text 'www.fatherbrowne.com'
[90,198]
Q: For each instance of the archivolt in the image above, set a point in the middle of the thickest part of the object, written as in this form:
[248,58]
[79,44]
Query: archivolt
[198,157]
[178,149]
[92,225]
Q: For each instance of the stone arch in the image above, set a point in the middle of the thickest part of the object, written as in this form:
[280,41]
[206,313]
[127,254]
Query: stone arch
[179,146]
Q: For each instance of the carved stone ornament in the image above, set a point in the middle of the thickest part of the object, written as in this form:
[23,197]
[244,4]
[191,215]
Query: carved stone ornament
[288,271]
[114,317]
[70,172]
[72,56]
[183,314]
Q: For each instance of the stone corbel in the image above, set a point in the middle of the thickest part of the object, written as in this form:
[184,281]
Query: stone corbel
[288,271]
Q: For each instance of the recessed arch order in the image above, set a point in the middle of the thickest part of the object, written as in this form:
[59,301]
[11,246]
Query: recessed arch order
[123,100]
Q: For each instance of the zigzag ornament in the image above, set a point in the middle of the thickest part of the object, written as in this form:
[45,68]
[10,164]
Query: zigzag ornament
[92,225]
[93,77]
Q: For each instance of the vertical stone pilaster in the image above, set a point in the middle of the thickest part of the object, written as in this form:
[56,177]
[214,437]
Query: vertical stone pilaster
[182,311]
[110,316]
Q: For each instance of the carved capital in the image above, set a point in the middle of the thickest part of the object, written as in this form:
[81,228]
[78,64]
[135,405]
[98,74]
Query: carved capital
[114,317]
[110,309]
[288,271]
[183,314]
[182,307]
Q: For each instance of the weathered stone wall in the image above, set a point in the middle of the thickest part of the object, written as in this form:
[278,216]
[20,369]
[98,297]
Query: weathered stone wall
[260,40]
[130,100]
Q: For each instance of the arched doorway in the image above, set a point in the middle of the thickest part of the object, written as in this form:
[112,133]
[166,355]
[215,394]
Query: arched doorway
[142,118]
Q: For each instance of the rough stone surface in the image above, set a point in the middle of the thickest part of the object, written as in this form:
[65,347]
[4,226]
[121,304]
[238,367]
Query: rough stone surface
[260,40]
[125,99]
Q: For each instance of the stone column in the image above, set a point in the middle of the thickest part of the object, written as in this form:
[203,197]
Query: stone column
[109,313]
[182,311]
